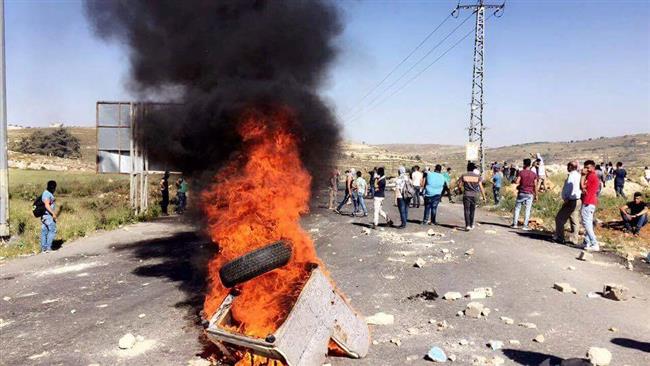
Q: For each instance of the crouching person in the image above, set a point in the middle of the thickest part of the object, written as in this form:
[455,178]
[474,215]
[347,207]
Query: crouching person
[635,214]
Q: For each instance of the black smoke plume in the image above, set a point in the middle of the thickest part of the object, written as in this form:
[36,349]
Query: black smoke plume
[216,58]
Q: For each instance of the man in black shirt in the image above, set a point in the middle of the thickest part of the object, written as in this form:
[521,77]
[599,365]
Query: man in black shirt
[635,214]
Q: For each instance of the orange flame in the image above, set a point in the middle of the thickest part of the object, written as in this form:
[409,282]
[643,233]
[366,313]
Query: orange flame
[257,199]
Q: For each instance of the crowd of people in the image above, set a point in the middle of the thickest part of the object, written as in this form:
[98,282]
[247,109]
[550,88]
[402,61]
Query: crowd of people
[415,187]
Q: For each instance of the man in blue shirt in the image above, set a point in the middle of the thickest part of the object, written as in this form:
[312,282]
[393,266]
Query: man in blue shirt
[619,179]
[433,185]
[48,220]
[497,181]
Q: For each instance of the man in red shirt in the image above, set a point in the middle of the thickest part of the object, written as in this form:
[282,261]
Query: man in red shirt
[590,186]
[527,192]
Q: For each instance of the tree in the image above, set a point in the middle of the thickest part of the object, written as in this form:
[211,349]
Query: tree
[59,142]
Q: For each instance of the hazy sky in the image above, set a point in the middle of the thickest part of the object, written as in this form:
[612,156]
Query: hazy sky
[555,70]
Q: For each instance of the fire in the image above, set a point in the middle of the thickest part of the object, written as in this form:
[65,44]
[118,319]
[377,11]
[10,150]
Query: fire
[257,199]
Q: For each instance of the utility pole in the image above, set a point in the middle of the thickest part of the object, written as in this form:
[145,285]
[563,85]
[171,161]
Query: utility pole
[4,176]
[476,127]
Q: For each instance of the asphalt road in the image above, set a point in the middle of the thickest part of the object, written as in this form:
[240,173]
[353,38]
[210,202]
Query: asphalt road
[72,306]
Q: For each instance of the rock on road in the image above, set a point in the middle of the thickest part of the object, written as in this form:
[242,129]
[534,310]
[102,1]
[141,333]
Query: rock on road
[72,306]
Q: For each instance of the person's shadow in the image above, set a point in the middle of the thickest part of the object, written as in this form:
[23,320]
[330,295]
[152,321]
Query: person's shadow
[631,343]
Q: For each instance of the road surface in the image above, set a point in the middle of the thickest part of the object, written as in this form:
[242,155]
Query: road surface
[71,307]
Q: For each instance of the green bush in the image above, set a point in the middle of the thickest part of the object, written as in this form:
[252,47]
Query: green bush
[59,142]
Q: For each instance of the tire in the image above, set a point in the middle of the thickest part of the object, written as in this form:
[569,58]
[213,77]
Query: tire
[255,263]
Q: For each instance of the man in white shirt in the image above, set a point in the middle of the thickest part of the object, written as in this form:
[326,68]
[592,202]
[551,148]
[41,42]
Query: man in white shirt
[540,169]
[416,178]
[570,210]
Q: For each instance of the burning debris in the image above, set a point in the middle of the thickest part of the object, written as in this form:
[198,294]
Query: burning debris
[243,77]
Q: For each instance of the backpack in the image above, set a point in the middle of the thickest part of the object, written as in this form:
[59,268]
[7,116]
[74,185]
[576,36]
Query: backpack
[409,189]
[38,208]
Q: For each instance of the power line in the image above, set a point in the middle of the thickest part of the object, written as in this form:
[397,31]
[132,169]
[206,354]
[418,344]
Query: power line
[412,67]
[399,64]
[372,107]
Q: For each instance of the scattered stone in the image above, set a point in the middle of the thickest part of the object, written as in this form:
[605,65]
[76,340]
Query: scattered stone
[102,306]
[599,356]
[436,354]
[396,341]
[564,287]
[139,338]
[413,331]
[585,256]
[380,319]
[452,358]
[365,231]
[73,311]
[474,295]
[6,298]
[613,329]
[487,290]
[141,316]
[469,251]
[460,313]
[474,310]
[571,268]
[490,231]
[452,295]
[479,360]
[127,341]
[593,295]
[432,321]
[442,325]
[444,250]
[419,263]
[412,358]
[463,342]
[485,311]
[615,292]
[507,320]
[528,325]
[495,345]
[539,338]
[514,342]
[375,342]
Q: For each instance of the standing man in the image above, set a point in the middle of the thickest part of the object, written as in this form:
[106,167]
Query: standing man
[333,188]
[471,185]
[527,192]
[348,192]
[619,179]
[181,193]
[360,186]
[433,185]
[635,214]
[48,220]
[570,209]
[447,187]
[380,194]
[373,177]
[589,202]
[540,169]
[416,177]
[404,191]
[497,181]
[164,191]
[646,174]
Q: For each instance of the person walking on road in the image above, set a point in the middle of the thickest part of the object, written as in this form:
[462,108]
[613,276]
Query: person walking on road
[333,188]
[447,187]
[527,193]
[380,194]
[471,185]
[360,187]
[635,214]
[48,220]
[497,181]
[164,192]
[619,180]
[348,192]
[570,210]
[404,192]
[417,178]
[433,186]
[589,187]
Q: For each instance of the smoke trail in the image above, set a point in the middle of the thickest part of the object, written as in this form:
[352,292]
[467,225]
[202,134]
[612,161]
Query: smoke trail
[217,58]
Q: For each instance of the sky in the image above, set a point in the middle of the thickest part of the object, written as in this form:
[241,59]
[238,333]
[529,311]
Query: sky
[554,70]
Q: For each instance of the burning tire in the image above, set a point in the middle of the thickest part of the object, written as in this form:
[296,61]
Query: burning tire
[255,263]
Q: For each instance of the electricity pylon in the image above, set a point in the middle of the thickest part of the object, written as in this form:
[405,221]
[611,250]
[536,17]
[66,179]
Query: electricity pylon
[476,127]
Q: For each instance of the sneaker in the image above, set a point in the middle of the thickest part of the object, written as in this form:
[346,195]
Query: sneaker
[514,227]
[592,248]
[365,214]
[468,228]
[526,228]
[471,227]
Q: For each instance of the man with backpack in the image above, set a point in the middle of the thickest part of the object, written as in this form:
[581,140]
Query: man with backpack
[44,207]
[404,191]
